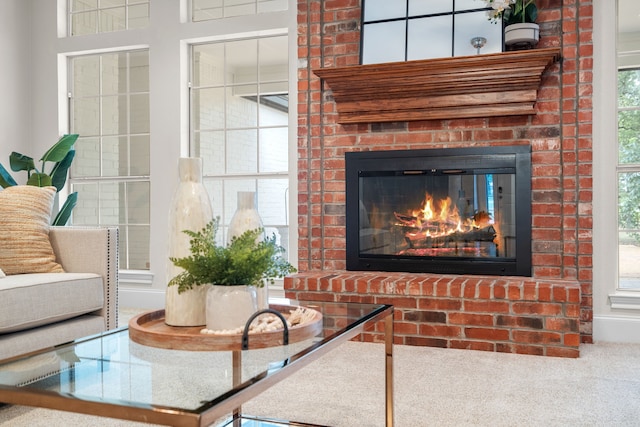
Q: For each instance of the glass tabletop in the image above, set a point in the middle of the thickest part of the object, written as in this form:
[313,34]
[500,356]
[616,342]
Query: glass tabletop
[112,369]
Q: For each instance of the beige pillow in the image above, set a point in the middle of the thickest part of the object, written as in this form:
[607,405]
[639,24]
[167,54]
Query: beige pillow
[25,214]
[2,274]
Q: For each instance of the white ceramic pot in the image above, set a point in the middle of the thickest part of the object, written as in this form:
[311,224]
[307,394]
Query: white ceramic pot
[229,307]
[523,35]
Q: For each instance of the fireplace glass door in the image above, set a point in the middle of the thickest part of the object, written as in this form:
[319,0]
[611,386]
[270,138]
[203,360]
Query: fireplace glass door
[439,211]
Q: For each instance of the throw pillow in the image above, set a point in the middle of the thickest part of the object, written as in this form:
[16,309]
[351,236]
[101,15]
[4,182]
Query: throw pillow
[25,214]
[2,274]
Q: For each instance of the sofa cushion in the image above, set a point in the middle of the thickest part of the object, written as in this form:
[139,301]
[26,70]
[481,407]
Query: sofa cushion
[25,214]
[30,300]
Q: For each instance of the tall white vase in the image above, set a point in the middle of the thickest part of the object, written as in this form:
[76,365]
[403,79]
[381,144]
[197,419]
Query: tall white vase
[190,210]
[246,218]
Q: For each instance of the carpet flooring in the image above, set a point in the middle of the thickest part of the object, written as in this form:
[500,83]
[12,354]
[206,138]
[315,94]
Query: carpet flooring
[435,387]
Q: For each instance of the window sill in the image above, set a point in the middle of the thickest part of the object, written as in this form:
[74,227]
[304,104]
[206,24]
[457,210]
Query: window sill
[625,300]
[135,277]
[499,84]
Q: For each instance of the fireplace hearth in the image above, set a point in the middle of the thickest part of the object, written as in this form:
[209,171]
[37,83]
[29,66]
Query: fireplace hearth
[454,210]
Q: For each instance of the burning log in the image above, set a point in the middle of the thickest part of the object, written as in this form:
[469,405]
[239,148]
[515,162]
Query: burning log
[420,241]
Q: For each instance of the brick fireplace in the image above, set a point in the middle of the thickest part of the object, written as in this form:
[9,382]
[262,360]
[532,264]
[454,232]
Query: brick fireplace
[549,313]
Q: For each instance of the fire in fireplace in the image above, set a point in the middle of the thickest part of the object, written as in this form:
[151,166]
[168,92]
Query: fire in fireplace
[460,211]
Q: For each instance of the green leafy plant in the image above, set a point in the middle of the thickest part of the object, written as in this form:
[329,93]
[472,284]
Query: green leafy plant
[513,11]
[61,155]
[247,260]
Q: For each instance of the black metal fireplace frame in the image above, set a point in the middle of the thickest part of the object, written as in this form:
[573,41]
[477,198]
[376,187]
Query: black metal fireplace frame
[434,160]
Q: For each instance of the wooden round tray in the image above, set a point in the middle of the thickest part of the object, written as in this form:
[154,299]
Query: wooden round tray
[149,329]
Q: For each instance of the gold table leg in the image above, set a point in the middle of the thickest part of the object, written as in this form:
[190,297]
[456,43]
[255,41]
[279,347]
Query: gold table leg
[237,379]
[388,344]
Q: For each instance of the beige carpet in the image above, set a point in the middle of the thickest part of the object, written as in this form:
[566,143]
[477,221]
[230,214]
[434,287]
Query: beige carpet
[436,387]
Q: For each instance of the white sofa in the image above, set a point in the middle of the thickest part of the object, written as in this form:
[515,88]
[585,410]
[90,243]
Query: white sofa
[42,310]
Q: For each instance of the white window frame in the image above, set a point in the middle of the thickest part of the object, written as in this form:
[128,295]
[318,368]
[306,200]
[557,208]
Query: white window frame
[616,312]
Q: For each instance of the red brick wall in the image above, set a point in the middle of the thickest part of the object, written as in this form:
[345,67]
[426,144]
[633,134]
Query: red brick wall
[560,135]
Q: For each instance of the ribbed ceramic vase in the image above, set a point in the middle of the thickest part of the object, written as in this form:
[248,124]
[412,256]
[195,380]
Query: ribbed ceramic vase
[246,218]
[190,210]
[229,307]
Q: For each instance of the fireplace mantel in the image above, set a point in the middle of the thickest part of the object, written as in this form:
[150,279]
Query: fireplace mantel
[488,85]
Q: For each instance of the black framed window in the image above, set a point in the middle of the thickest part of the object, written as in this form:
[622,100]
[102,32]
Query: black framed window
[404,30]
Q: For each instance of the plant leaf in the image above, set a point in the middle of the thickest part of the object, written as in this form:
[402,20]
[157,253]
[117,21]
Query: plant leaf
[39,180]
[6,180]
[59,150]
[65,212]
[20,162]
[59,171]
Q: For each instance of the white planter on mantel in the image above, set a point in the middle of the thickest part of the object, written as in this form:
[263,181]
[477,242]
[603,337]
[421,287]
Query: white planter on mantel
[522,35]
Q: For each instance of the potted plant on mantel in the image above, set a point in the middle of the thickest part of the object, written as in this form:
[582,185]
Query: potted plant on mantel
[232,272]
[519,20]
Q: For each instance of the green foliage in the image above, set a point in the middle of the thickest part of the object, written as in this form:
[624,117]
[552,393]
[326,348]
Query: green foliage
[247,260]
[513,11]
[520,12]
[60,155]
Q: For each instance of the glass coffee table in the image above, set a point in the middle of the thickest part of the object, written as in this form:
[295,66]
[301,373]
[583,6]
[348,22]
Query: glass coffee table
[110,375]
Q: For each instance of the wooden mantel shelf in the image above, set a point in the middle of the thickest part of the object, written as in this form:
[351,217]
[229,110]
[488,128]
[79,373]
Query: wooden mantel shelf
[499,84]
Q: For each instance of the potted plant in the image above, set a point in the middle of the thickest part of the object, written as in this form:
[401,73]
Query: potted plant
[61,155]
[233,272]
[519,18]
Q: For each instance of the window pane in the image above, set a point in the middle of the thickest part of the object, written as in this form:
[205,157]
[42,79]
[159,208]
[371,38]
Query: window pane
[114,115]
[470,4]
[239,7]
[208,108]
[86,70]
[629,136]
[437,30]
[139,120]
[86,116]
[272,5]
[629,201]
[112,19]
[273,200]
[78,5]
[242,152]
[629,88]
[384,9]
[138,16]
[139,156]
[112,3]
[274,150]
[139,72]
[114,73]
[384,42]
[138,247]
[207,9]
[242,108]
[208,64]
[475,24]
[115,156]
[428,7]
[274,109]
[628,255]
[91,16]
[210,146]
[87,159]
[84,23]
[242,61]
[137,202]
[86,210]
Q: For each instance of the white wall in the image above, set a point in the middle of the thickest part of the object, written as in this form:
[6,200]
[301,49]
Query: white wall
[167,38]
[15,75]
